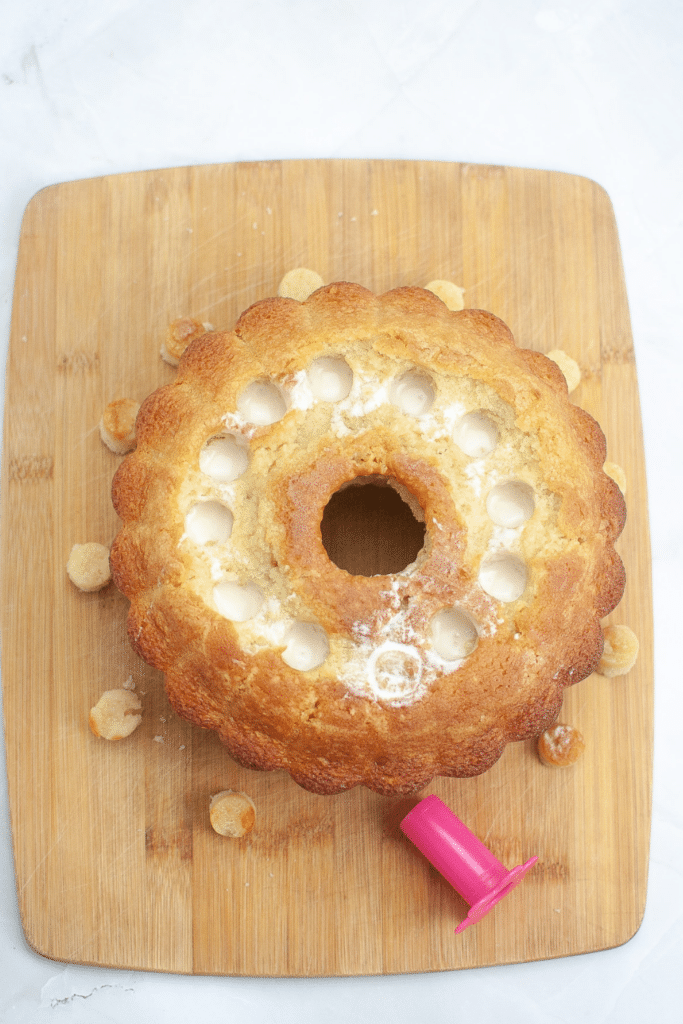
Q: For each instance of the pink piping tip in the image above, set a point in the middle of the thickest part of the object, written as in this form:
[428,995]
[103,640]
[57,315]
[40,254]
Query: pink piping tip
[461,858]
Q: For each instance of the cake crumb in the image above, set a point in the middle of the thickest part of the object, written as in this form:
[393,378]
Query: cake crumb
[232,814]
[299,284]
[88,566]
[452,295]
[116,714]
[117,425]
[617,474]
[560,746]
[620,652]
[178,336]
[570,368]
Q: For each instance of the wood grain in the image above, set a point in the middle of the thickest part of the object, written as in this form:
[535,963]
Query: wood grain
[116,862]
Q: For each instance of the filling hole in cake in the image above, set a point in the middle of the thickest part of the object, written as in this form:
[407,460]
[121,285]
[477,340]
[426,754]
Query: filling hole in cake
[413,393]
[373,526]
[224,458]
[510,504]
[330,378]
[238,602]
[307,646]
[503,576]
[262,403]
[209,522]
[476,434]
[454,634]
[395,671]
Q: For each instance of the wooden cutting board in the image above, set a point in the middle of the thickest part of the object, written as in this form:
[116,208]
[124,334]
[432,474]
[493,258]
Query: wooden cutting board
[116,862]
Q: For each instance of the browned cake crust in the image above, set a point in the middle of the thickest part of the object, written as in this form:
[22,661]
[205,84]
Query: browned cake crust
[334,726]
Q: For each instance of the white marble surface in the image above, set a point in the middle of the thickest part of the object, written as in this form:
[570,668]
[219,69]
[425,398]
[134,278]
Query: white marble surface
[593,87]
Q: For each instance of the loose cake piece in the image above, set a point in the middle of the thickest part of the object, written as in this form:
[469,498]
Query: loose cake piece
[620,652]
[560,746]
[338,677]
[116,714]
[452,295]
[179,335]
[88,566]
[117,425]
[299,284]
[618,475]
[232,814]
[571,370]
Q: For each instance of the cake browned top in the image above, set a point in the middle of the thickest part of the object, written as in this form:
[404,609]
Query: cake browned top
[427,671]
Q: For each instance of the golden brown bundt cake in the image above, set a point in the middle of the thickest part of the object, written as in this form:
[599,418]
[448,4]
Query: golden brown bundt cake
[341,678]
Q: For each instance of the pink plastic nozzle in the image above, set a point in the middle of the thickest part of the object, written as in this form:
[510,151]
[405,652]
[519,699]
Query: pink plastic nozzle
[461,858]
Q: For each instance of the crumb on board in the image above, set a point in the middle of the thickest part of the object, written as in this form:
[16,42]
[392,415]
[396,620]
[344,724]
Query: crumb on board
[570,368]
[452,295]
[560,746]
[88,566]
[620,652]
[116,714]
[299,284]
[117,425]
[617,474]
[179,335]
[232,814]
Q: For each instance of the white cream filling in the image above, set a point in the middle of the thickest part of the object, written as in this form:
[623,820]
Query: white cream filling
[307,646]
[510,504]
[268,628]
[504,538]
[238,602]
[503,576]
[476,434]
[262,403]
[454,634]
[301,395]
[330,379]
[440,420]
[234,421]
[224,458]
[413,393]
[209,522]
[475,474]
[366,395]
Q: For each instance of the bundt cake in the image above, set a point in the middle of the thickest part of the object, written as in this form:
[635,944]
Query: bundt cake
[337,677]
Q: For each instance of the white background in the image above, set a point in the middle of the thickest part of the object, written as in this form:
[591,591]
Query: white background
[591,87]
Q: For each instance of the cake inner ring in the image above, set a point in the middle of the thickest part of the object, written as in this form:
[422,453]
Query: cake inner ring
[373,526]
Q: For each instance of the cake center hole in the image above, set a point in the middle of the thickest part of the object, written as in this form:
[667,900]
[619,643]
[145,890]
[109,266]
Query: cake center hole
[373,526]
